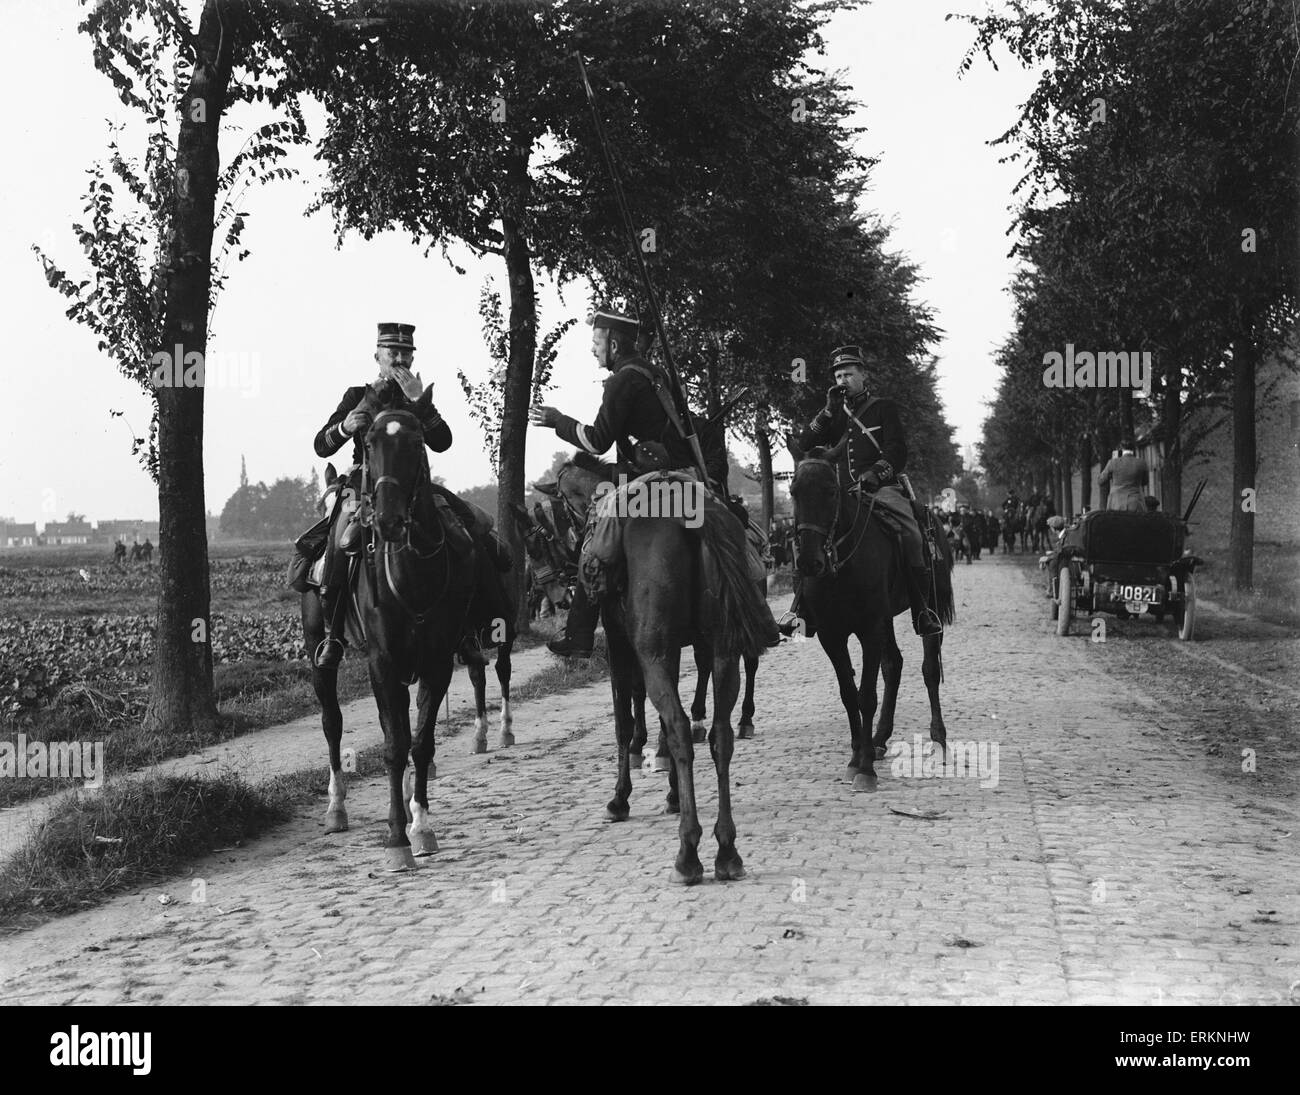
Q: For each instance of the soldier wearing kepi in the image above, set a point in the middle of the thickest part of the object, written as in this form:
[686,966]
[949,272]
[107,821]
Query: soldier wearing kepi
[874,455]
[394,352]
[633,417]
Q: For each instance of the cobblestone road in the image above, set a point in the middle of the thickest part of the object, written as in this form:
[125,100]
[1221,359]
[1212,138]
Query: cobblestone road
[1110,863]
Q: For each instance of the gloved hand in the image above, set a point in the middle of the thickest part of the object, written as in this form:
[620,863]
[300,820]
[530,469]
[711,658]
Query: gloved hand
[834,398]
[871,480]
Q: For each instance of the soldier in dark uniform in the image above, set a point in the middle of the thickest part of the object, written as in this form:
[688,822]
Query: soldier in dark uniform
[632,418]
[875,455]
[394,352]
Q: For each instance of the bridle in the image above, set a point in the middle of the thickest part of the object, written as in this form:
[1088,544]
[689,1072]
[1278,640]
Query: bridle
[389,549]
[835,560]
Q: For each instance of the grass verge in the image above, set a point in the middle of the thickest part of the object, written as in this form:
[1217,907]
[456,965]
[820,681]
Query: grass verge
[146,828]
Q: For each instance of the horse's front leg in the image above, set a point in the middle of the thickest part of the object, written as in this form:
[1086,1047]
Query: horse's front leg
[325,683]
[703,669]
[873,644]
[478,679]
[728,867]
[504,652]
[435,678]
[623,674]
[636,751]
[393,701]
[837,649]
[746,727]
[932,671]
[891,662]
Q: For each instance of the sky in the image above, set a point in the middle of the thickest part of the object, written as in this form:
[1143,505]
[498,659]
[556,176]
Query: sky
[295,325]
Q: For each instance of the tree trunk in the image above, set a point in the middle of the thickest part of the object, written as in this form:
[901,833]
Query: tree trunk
[518,380]
[763,442]
[180,696]
[1241,543]
[1067,487]
[1171,421]
[1126,413]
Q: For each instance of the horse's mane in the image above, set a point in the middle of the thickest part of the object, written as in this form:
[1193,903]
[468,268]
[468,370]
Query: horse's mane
[593,464]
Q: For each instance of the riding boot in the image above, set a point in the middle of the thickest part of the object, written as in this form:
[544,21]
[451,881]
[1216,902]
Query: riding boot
[334,601]
[925,621]
[579,629]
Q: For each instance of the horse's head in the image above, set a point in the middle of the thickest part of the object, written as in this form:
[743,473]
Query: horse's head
[578,480]
[545,551]
[394,446]
[816,494]
[333,484]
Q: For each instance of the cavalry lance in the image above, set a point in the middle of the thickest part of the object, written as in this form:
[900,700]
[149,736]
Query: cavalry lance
[674,381]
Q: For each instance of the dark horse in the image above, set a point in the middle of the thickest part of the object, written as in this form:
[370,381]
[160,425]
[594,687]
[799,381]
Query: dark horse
[683,587]
[412,595]
[854,583]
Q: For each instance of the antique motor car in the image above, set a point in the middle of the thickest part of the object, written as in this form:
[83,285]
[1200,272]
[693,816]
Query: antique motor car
[1125,564]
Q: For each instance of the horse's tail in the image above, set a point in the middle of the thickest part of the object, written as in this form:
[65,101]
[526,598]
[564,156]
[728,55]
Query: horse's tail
[740,622]
[945,602]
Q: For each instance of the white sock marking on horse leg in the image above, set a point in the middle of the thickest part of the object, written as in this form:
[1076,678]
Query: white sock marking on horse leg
[338,790]
[507,720]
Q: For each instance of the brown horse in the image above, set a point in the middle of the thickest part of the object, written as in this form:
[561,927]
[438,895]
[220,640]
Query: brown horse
[412,596]
[853,582]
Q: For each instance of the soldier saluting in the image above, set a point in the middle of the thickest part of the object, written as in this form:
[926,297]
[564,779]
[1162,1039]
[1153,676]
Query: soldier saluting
[394,353]
[874,455]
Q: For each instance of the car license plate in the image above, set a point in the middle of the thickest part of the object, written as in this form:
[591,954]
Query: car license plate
[1138,594]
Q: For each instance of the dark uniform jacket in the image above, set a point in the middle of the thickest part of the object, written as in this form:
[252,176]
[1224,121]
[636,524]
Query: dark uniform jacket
[887,456]
[630,412]
[437,434]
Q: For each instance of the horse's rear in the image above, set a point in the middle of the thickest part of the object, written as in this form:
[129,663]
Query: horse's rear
[682,587]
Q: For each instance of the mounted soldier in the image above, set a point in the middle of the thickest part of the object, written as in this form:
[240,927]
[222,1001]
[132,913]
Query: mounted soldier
[873,455]
[394,352]
[637,418]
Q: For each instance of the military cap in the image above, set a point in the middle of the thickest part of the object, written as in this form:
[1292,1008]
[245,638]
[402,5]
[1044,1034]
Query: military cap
[616,323]
[398,335]
[847,355]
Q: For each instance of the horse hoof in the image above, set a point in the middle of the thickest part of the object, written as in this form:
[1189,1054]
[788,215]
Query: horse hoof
[480,745]
[507,740]
[672,806]
[731,871]
[662,764]
[397,860]
[880,752]
[423,842]
[692,877]
[699,733]
[336,821]
[745,730]
[617,811]
[635,761]
[851,773]
[865,781]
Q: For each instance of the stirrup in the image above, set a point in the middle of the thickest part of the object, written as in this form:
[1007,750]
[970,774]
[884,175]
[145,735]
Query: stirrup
[322,647]
[928,622]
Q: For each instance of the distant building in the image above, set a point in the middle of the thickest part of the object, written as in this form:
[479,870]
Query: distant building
[67,532]
[16,535]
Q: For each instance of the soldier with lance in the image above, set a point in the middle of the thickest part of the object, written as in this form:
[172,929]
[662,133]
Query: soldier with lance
[633,418]
[874,455]
[395,350]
